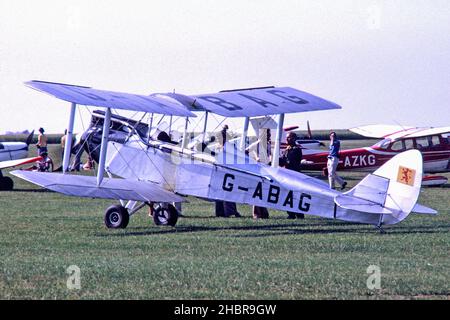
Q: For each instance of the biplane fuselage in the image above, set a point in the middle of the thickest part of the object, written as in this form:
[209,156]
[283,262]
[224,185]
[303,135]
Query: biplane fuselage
[227,177]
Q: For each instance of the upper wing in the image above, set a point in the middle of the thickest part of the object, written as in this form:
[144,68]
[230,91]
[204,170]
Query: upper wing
[254,102]
[379,130]
[111,188]
[396,132]
[428,132]
[117,100]
[14,163]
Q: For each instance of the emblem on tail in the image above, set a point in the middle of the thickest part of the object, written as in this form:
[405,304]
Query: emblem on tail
[406,175]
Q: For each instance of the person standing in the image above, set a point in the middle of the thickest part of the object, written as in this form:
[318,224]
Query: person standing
[225,208]
[333,161]
[291,160]
[42,142]
[261,152]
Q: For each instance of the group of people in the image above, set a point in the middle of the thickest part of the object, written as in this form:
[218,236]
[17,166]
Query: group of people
[291,159]
[46,164]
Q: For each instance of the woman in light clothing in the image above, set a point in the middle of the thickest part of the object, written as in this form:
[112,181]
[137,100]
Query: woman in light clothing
[333,161]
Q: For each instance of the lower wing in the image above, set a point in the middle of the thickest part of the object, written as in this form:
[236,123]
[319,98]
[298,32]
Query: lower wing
[110,188]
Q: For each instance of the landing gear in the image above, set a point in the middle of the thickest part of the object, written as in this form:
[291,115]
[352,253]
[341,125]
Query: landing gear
[165,215]
[381,230]
[116,217]
[6,183]
[380,225]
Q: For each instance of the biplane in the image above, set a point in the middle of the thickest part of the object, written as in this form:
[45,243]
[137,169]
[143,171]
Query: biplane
[144,171]
[14,154]
[433,143]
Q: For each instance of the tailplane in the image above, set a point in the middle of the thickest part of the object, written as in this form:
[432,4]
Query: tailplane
[391,191]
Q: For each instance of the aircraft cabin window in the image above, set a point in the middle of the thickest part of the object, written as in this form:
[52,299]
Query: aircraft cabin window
[435,141]
[446,137]
[409,144]
[383,144]
[397,146]
[2,146]
[422,143]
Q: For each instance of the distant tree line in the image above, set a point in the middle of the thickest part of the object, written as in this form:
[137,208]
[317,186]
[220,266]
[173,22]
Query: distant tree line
[343,134]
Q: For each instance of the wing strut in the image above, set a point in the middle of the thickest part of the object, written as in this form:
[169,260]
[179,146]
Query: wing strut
[244,134]
[184,141]
[204,126]
[104,146]
[276,151]
[68,144]
[150,124]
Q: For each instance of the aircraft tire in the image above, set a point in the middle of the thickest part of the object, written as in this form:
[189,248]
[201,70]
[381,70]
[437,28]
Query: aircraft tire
[165,216]
[116,217]
[6,183]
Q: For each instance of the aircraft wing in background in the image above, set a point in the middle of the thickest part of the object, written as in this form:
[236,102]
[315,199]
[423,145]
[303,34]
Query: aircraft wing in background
[15,163]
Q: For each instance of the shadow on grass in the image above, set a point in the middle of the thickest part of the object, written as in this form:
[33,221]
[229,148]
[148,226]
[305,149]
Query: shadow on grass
[31,190]
[282,229]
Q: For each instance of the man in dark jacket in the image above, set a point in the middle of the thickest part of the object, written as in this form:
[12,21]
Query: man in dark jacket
[291,160]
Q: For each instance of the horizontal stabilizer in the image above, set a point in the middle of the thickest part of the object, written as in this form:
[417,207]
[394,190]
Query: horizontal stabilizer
[391,191]
[110,99]
[361,205]
[420,209]
[15,163]
[111,188]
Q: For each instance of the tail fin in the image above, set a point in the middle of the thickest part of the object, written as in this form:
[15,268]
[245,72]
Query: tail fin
[392,190]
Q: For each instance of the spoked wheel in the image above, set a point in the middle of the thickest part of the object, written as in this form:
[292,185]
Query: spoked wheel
[116,217]
[165,215]
[6,183]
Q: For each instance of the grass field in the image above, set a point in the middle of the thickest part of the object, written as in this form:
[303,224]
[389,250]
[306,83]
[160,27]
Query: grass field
[43,233]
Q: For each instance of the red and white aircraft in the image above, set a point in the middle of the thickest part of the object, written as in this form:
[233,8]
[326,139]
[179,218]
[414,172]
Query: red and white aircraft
[433,143]
[12,154]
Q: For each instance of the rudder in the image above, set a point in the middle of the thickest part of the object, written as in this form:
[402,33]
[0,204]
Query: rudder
[391,191]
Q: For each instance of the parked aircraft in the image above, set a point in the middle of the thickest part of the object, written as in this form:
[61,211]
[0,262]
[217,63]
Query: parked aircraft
[433,143]
[13,154]
[159,172]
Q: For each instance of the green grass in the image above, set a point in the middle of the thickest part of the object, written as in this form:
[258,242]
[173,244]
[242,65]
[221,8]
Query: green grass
[204,257]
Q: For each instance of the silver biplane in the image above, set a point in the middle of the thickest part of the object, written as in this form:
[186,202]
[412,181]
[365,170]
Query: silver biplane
[146,171]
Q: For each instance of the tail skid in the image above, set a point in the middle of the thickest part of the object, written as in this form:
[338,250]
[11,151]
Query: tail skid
[391,191]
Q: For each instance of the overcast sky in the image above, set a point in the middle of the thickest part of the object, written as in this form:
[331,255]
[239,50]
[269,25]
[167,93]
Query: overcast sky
[382,61]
